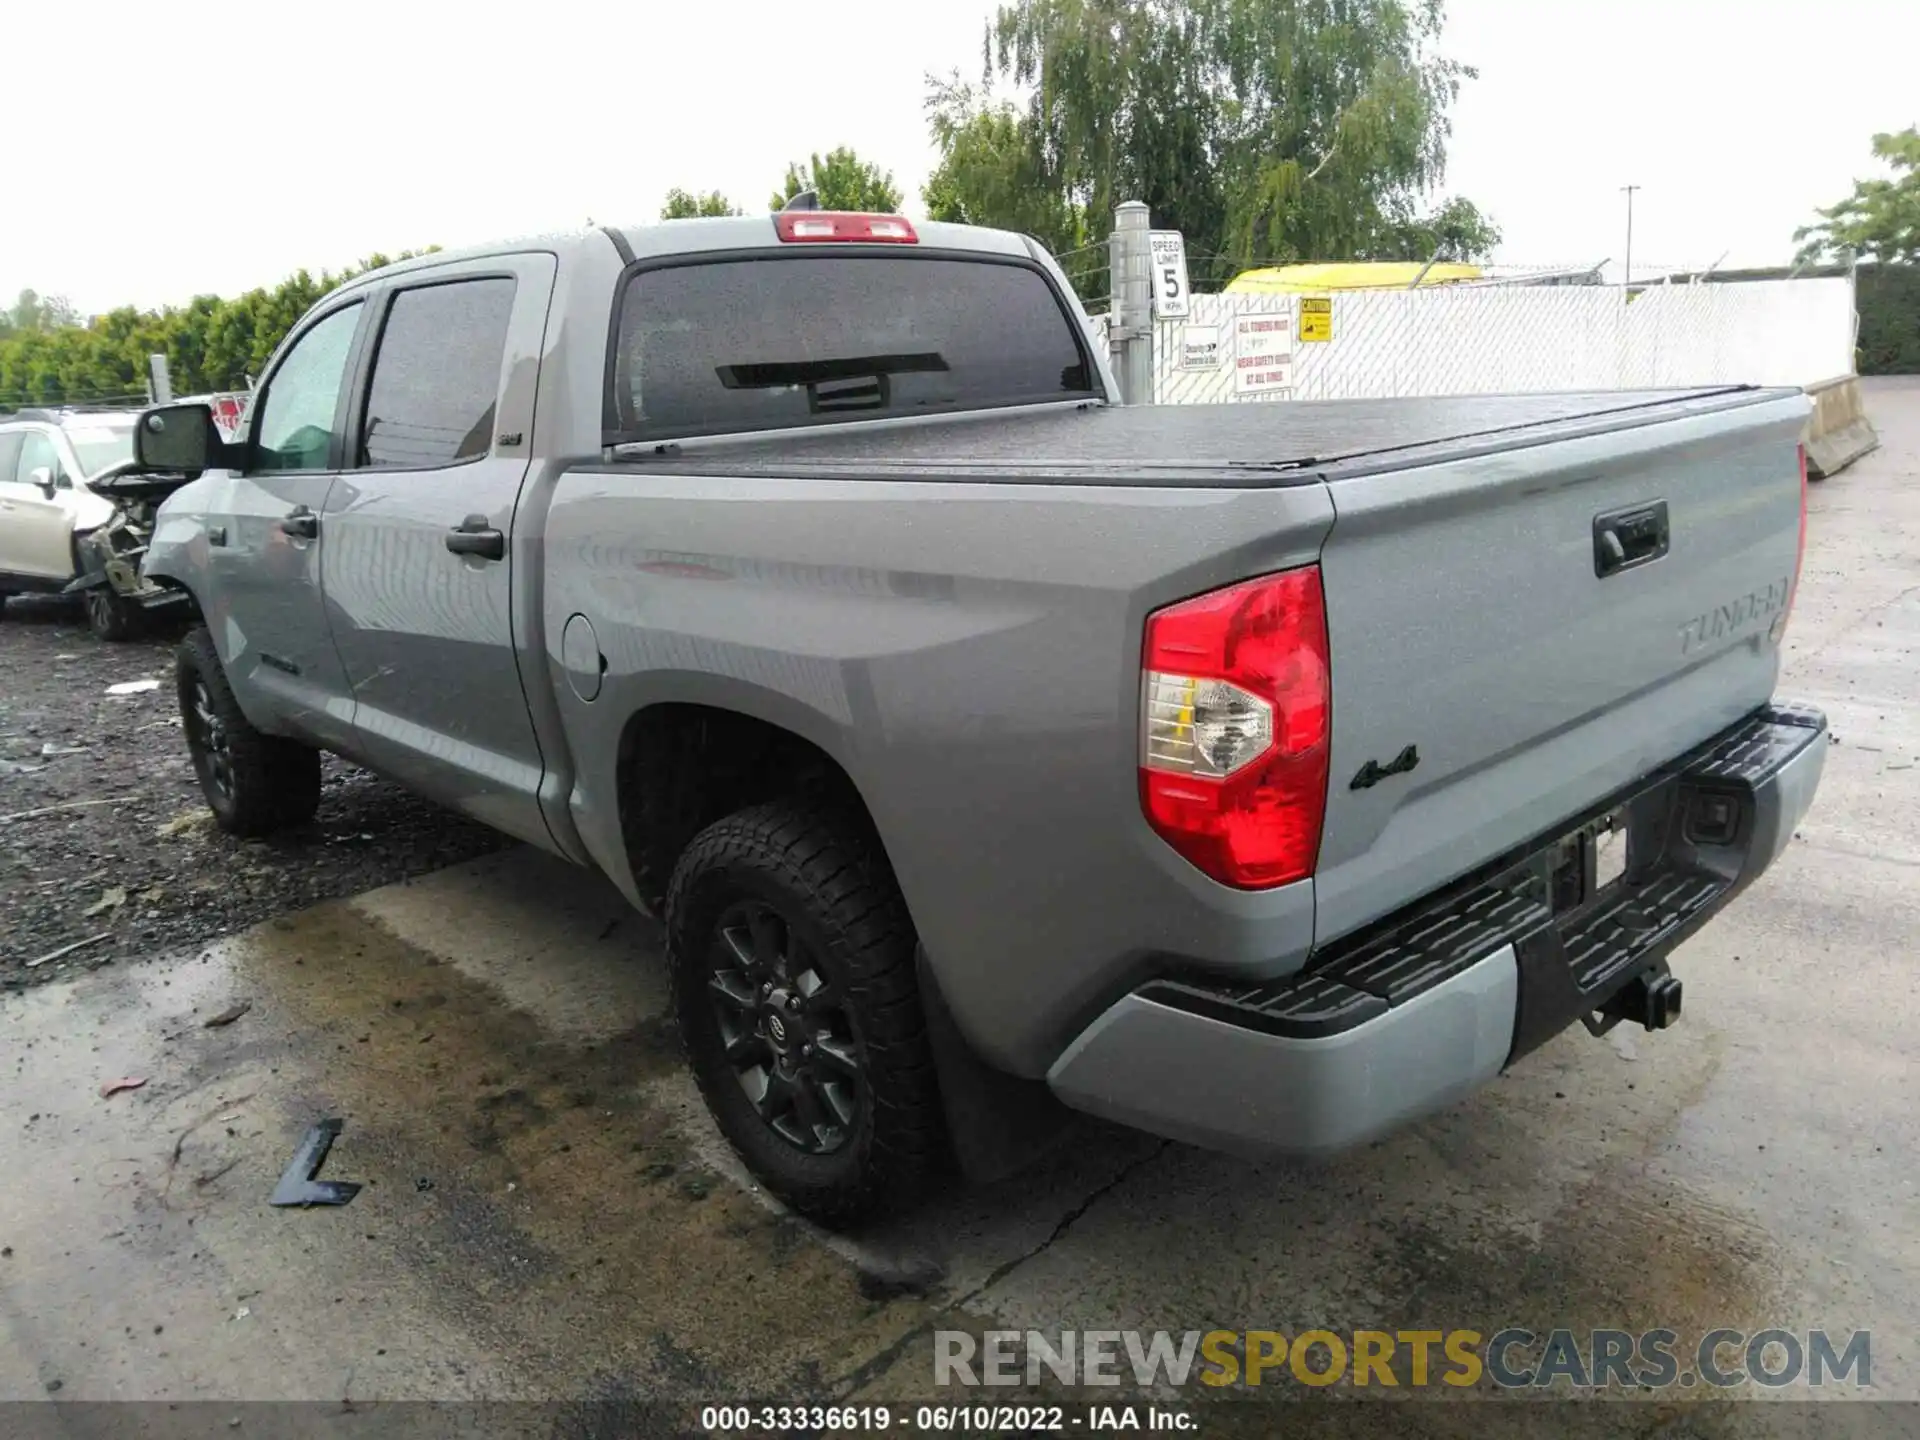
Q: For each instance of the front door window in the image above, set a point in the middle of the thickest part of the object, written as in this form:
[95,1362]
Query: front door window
[300,412]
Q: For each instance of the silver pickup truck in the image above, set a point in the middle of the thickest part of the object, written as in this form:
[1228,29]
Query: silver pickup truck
[1262,775]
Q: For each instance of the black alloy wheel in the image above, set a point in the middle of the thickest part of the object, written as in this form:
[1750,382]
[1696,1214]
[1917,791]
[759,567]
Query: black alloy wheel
[786,1032]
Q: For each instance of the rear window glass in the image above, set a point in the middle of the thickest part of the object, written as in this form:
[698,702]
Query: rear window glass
[767,343]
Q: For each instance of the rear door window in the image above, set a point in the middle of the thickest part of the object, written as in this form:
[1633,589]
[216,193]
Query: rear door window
[436,375]
[774,341]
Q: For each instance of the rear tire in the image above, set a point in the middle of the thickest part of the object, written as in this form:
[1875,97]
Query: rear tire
[110,617]
[254,783]
[792,957]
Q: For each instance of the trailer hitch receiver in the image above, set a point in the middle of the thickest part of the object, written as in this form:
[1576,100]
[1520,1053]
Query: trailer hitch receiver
[1650,1000]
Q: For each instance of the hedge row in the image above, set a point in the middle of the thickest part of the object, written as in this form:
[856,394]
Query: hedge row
[1888,299]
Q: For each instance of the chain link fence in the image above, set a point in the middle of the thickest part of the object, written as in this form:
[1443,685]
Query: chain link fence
[1492,339]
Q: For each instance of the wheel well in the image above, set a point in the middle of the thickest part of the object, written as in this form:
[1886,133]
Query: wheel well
[193,600]
[682,767]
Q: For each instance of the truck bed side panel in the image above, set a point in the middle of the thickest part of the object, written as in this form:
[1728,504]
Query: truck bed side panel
[970,655]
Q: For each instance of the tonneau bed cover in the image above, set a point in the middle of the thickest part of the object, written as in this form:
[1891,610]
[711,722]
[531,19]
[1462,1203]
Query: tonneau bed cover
[1245,445]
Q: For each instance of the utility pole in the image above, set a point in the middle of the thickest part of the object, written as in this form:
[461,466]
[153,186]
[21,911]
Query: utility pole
[1629,189]
[1131,329]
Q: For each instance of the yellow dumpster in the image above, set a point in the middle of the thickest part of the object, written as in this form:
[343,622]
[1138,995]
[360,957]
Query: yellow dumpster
[1360,275]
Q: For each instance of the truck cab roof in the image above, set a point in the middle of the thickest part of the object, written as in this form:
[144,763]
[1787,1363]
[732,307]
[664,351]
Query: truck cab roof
[705,234]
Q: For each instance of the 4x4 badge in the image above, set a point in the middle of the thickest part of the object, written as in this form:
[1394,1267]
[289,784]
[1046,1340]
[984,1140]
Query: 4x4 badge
[1373,772]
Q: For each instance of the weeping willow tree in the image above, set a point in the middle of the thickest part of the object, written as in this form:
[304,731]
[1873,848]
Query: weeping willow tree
[1279,129]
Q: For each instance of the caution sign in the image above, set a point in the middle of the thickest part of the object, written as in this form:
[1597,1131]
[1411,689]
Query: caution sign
[1316,317]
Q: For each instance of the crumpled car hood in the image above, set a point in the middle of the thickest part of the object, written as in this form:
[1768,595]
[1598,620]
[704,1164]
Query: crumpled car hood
[137,485]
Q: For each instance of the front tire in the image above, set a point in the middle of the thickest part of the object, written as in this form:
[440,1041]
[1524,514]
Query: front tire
[254,783]
[793,971]
[110,617]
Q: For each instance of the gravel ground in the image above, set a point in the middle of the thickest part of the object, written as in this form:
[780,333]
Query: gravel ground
[107,835]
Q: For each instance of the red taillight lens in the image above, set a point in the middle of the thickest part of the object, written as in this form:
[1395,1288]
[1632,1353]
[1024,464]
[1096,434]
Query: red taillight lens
[1234,719]
[799,226]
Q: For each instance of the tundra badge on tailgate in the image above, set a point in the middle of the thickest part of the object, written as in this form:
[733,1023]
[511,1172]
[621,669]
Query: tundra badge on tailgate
[1724,621]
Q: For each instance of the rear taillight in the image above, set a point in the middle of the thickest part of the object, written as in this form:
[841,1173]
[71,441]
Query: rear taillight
[1234,716]
[843,225]
[1799,556]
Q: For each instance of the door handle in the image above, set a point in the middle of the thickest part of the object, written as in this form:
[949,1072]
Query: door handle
[476,536]
[1623,539]
[301,523]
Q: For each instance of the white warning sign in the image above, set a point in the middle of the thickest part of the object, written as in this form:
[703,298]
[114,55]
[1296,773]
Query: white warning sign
[1262,353]
[1199,347]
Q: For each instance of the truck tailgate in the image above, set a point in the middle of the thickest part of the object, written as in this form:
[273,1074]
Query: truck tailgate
[1515,635]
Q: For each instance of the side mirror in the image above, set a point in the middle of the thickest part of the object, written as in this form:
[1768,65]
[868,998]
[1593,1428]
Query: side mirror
[182,437]
[42,476]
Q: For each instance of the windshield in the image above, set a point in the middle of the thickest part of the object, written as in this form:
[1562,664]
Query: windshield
[100,443]
[804,339]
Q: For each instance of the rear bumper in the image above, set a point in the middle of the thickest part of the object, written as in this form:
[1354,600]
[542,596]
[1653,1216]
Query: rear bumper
[1436,1000]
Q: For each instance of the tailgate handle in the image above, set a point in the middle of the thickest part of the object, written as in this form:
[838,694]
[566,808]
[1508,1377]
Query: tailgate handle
[1623,539]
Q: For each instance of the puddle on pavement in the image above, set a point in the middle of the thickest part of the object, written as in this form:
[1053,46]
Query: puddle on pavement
[531,1224]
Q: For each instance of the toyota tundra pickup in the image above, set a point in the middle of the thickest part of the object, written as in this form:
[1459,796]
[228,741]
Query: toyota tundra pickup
[1261,775]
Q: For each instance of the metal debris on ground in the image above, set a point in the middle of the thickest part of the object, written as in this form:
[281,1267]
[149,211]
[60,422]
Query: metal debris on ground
[133,687]
[53,955]
[227,1016]
[49,750]
[128,1082]
[298,1187]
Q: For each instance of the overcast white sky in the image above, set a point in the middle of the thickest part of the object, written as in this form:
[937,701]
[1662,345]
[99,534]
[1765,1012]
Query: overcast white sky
[201,147]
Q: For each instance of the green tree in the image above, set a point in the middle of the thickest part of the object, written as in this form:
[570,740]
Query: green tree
[33,311]
[843,181]
[685,205]
[210,343]
[1278,129]
[990,171]
[1457,231]
[1881,219]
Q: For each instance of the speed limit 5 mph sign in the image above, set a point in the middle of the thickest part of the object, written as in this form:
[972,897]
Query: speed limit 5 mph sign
[1170,291]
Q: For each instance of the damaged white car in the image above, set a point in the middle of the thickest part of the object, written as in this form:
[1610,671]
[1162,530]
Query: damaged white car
[76,514]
